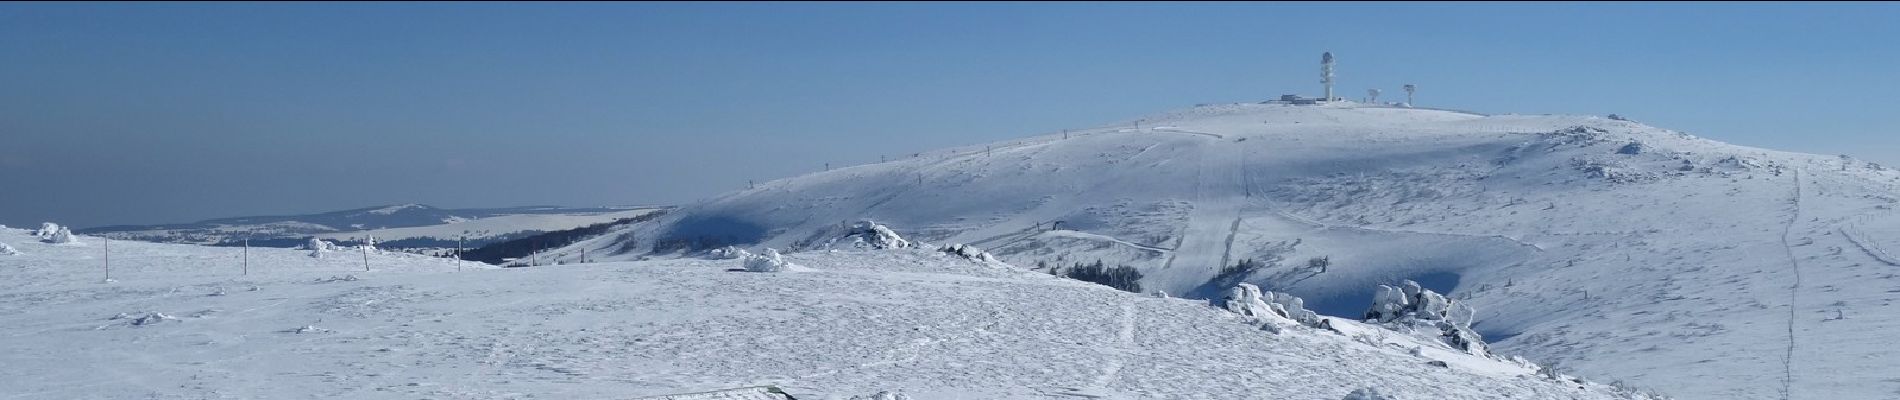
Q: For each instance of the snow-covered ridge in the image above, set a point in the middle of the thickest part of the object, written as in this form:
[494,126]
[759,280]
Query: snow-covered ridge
[1609,247]
[405,225]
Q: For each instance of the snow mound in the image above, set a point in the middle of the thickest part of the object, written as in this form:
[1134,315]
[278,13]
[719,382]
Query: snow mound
[769,261]
[1410,307]
[6,250]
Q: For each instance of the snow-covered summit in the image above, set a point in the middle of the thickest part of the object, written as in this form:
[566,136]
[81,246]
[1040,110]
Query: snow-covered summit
[1617,249]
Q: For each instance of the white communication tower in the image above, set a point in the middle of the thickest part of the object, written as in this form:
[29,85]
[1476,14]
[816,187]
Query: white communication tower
[1326,74]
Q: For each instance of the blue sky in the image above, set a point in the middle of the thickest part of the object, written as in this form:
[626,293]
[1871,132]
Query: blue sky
[146,113]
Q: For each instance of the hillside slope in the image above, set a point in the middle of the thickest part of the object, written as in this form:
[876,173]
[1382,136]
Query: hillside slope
[1619,250]
[844,324]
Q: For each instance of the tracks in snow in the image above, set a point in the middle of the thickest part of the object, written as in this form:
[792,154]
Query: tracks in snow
[1124,347]
[1787,359]
[1105,238]
[1171,129]
[1221,192]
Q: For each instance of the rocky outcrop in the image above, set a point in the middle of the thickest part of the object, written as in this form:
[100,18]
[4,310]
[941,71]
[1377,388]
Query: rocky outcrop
[1248,300]
[1410,304]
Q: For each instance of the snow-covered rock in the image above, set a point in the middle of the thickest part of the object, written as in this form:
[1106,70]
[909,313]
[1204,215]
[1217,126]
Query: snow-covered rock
[769,261]
[1388,303]
[882,396]
[1248,300]
[1367,394]
[967,252]
[1635,147]
[318,246]
[63,235]
[728,253]
[308,329]
[6,250]
[1410,306]
[315,244]
[872,235]
[143,319]
[47,229]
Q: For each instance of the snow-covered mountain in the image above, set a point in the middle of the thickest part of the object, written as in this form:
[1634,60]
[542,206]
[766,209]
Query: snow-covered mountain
[181,322]
[405,225]
[1612,248]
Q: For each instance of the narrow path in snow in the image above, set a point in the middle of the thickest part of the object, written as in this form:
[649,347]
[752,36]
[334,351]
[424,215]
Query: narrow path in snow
[1171,129]
[1124,347]
[1018,236]
[1787,359]
[1105,238]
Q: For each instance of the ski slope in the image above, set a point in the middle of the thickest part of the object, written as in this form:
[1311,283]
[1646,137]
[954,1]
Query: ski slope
[1615,249]
[180,324]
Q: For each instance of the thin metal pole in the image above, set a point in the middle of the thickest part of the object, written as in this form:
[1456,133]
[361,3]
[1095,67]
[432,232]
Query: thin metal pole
[366,257]
[108,260]
[247,256]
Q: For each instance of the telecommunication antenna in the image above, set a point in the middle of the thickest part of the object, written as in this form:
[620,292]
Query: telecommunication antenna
[1409,88]
[1372,95]
[1326,74]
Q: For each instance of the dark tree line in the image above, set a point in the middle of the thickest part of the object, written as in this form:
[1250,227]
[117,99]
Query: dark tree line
[1121,277]
[518,248]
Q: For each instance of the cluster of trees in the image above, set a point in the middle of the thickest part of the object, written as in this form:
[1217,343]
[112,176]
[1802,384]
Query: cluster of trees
[1121,277]
[518,248]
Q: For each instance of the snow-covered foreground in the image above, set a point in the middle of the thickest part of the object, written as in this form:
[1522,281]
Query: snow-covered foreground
[179,323]
[1620,250]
